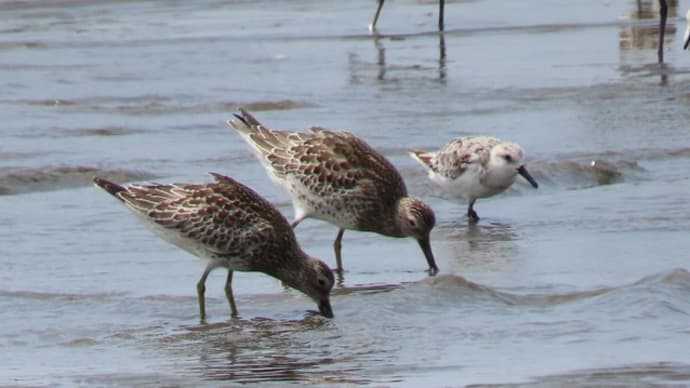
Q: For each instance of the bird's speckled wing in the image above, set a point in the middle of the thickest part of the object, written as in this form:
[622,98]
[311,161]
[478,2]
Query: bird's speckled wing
[225,216]
[457,155]
[331,175]
[322,160]
[343,161]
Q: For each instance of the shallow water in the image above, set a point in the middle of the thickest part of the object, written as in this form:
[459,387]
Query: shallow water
[583,282]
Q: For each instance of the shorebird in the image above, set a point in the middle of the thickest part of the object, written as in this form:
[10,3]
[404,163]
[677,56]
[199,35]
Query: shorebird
[379,5]
[231,226]
[474,167]
[336,177]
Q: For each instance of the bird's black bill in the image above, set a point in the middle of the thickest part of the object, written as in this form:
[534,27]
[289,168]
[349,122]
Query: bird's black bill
[325,308]
[426,248]
[523,171]
[687,40]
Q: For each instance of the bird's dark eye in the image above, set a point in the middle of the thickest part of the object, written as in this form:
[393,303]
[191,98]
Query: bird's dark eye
[322,282]
[508,158]
[412,223]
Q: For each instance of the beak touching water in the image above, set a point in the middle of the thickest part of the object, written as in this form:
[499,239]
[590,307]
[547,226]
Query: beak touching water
[523,171]
[686,40]
[426,248]
[325,308]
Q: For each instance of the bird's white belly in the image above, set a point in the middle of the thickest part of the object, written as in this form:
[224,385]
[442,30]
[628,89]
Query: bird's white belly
[336,212]
[467,185]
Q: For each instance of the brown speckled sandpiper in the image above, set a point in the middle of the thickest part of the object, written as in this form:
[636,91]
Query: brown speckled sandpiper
[232,226]
[337,177]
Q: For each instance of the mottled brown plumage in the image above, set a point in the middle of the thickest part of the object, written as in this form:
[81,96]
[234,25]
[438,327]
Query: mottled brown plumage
[337,177]
[232,226]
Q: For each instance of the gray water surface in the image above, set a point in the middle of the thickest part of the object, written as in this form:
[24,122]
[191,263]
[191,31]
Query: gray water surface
[583,282]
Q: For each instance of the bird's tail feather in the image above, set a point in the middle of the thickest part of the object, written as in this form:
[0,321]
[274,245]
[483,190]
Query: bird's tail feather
[110,187]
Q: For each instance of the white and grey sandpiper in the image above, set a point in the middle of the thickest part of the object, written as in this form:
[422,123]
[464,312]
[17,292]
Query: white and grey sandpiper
[474,167]
[231,226]
[336,177]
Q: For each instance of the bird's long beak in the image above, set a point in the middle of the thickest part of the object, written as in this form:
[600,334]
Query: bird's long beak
[426,248]
[523,171]
[325,308]
[686,40]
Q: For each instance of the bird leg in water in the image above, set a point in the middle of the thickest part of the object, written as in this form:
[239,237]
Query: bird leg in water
[441,4]
[663,13]
[471,214]
[337,245]
[201,285]
[230,296]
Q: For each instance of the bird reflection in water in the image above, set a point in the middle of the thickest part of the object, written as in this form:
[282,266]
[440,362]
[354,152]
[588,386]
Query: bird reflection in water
[383,67]
[647,37]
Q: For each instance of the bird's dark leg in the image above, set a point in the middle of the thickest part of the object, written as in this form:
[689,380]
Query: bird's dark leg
[471,214]
[663,13]
[230,296]
[379,5]
[296,222]
[441,5]
[201,286]
[337,245]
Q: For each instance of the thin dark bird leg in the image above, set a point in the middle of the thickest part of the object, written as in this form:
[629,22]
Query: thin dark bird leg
[379,5]
[663,13]
[230,296]
[471,214]
[337,245]
[441,5]
[296,222]
[201,286]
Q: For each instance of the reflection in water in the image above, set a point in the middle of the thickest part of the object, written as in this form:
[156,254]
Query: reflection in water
[649,37]
[478,234]
[259,350]
[441,56]
[382,66]
[484,244]
[311,350]
[380,58]
[363,348]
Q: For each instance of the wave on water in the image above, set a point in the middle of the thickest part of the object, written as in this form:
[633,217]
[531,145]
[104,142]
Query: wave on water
[152,105]
[604,168]
[660,374]
[20,180]
[654,294]
[57,296]
[97,131]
